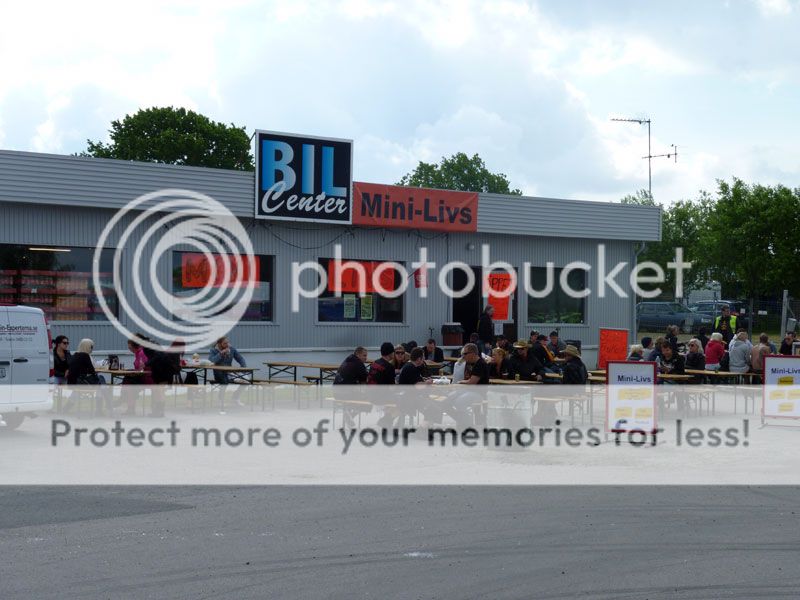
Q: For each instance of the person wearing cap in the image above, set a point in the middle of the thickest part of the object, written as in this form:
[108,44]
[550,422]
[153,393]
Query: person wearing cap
[574,370]
[381,372]
[524,363]
[555,345]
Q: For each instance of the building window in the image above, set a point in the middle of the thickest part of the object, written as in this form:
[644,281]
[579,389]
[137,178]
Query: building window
[191,271]
[58,280]
[558,306]
[350,306]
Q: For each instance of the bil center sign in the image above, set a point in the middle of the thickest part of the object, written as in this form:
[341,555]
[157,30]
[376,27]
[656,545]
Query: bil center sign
[303,178]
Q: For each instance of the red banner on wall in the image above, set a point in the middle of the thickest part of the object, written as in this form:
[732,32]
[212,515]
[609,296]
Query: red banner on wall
[379,205]
[499,282]
[196,270]
[348,280]
[613,346]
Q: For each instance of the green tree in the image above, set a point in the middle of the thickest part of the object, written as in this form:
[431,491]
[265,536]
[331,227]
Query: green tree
[752,243]
[683,225]
[459,172]
[176,136]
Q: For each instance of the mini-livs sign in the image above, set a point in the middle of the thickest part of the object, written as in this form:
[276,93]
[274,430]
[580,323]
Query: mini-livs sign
[303,178]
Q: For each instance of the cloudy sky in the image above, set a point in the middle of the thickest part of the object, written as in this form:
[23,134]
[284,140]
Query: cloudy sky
[530,86]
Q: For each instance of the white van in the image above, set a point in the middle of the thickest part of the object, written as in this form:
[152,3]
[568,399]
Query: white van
[25,359]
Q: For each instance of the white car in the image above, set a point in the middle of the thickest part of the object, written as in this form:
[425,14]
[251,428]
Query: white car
[24,364]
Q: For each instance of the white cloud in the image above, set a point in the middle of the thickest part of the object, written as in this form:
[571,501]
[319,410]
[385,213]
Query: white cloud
[774,8]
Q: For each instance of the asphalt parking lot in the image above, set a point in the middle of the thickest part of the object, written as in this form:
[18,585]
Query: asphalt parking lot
[399,542]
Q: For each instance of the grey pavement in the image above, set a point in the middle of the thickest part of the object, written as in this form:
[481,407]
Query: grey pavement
[399,542]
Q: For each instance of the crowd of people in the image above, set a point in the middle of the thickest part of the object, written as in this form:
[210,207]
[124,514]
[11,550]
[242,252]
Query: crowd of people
[725,350]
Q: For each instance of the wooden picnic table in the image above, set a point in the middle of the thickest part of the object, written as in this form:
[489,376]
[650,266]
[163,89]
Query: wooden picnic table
[245,374]
[119,373]
[513,382]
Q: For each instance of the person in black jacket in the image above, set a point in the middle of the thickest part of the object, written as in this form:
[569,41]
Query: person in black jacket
[525,364]
[574,370]
[381,372]
[61,358]
[671,363]
[486,330]
[787,343]
[433,352]
[353,369]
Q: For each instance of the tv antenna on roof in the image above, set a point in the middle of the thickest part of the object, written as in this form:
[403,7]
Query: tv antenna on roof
[650,156]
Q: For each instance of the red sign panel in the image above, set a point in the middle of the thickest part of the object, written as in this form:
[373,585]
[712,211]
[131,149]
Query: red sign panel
[613,346]
[499,282]
[196,270]
[345,278]
[378,205]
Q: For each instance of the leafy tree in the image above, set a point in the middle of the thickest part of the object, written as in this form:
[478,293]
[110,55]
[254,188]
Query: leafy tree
[752,242]
[682,226]
[459,172]
[176,136]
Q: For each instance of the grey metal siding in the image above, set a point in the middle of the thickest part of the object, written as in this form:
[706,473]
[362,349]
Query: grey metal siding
[78,181]
[567,218]
[23,224]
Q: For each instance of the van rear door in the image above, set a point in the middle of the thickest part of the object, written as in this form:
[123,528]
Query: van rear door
[30,355]
[5,348]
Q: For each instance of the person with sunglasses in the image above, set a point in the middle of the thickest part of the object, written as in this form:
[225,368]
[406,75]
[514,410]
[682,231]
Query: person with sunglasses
[476,371]
[61,357]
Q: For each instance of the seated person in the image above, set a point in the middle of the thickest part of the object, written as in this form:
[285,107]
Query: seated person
[574,370]
[555,345]
[525,364]
[476,371]
[382,371]
[432,352]
[500,365]
[671,362]
[636,353]
[353,369]
[543,355]
[223,355]
[695,358]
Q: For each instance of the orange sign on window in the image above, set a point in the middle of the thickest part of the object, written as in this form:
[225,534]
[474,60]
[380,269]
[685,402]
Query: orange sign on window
[196,270]
[346,278]
[499,282]
[613,346]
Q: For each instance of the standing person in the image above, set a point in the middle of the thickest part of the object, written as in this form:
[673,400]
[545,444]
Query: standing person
[574,371]
[759,352]
[740,353]
[725,324]
[165,366]
[787,343]
[353,369]
[486,330]
[695,357]
[223,354]
[555,345]
[525,364]
[715,350]
[433,352]
[381,372]
[701,335]
[61,358]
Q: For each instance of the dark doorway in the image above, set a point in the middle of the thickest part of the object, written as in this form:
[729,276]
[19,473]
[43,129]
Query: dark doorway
[467,310]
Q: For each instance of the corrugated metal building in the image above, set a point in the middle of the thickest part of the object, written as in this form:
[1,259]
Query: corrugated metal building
[65,201]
